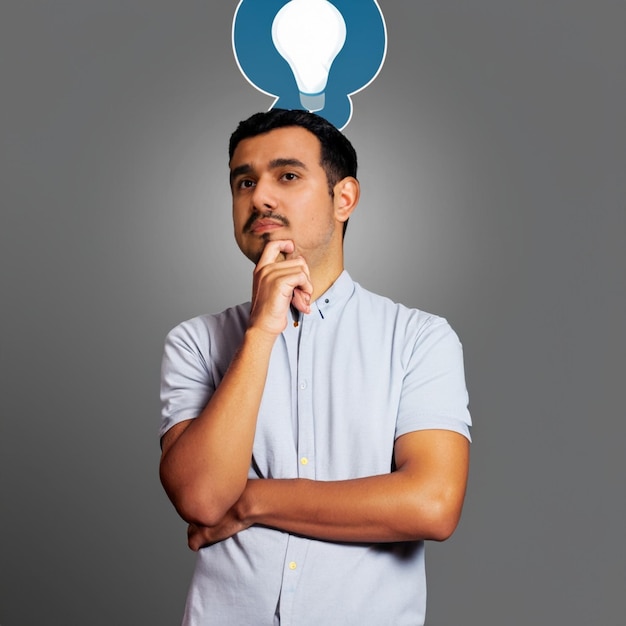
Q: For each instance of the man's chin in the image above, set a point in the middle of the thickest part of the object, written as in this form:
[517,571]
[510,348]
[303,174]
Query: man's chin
[255,257]
[252,249]
[255,254]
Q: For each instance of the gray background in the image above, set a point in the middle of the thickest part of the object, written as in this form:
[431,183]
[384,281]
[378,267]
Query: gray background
[492,151]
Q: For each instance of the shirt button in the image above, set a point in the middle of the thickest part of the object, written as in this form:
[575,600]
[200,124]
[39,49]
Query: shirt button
[304,460]
[302,385]
[292,565]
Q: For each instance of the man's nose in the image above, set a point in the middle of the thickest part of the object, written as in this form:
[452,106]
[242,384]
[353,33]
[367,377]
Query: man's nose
[264,197]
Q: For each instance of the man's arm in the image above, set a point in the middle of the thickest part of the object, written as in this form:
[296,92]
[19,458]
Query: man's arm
[205,461]
[422,499]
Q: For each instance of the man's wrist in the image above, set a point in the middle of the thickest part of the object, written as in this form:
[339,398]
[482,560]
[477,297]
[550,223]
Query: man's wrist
[260,337]
[246,505]
[258,333]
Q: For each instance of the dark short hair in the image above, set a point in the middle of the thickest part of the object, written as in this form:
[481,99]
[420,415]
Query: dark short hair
[338,157]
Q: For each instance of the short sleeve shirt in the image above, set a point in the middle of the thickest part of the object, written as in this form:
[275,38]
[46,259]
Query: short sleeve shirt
[344,382]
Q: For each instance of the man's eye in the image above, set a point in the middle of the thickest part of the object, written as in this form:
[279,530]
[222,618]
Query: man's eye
[290,176]
[246,184]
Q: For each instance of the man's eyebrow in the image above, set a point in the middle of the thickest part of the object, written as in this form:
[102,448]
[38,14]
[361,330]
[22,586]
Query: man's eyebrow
[287,162]
[246,168]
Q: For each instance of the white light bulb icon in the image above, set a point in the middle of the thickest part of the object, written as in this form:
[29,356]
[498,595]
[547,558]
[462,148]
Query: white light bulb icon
[309,34]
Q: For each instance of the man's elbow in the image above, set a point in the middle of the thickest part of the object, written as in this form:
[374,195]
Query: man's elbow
[197,504]
[201,512]
[435,520]
[443,528]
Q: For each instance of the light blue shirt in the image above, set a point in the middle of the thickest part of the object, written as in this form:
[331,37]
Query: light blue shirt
[351,377]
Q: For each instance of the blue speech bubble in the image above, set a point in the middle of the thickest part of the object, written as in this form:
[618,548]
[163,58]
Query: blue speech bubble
[341,43]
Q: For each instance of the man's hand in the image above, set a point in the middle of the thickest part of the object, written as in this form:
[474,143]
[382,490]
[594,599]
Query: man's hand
[280,280]
[202,536]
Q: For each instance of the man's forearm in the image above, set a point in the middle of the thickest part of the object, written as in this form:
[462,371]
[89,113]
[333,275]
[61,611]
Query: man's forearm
[375,509]
[422,499]
[205,469]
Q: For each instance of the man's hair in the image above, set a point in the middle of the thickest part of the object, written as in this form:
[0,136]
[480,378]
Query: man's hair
[338,157]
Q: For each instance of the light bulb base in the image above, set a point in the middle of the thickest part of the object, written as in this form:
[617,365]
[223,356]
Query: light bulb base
[313,101]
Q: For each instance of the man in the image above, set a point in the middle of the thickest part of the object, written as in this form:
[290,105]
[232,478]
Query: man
[315,437]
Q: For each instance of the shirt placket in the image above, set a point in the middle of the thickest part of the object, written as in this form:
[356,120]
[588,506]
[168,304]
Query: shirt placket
[297,546]
[306,433]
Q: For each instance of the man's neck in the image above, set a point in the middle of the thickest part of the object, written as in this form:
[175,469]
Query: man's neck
[323,280]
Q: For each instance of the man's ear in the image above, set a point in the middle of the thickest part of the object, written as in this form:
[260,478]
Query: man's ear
[347,193]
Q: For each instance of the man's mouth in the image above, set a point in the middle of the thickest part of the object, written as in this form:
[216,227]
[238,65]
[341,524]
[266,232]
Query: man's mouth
[264,226]
[259,225]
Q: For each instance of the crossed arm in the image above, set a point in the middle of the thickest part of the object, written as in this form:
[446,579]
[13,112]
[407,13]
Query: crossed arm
[422,499]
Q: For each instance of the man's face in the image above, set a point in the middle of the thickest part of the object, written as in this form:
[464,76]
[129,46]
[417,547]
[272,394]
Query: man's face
[280,191]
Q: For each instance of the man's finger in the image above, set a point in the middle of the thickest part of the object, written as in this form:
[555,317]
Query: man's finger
[301,300]
[274,250]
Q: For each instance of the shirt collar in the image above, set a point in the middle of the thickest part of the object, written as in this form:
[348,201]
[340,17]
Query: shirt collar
[332,301]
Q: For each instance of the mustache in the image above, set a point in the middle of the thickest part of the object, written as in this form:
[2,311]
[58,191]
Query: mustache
[268,215]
